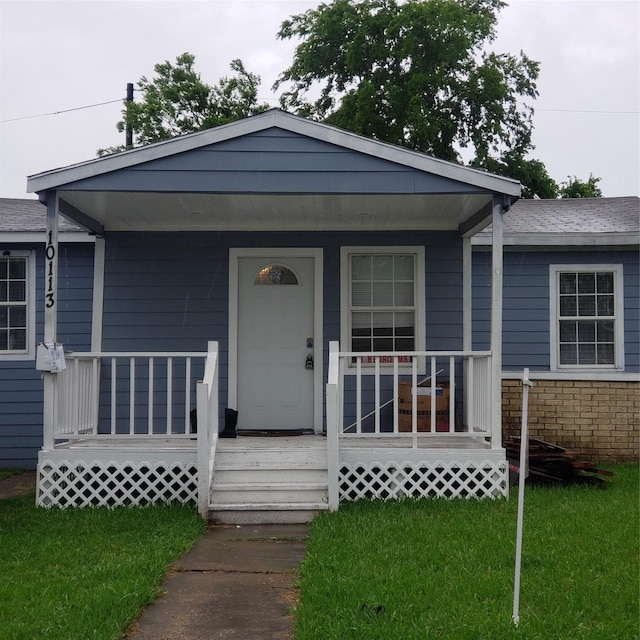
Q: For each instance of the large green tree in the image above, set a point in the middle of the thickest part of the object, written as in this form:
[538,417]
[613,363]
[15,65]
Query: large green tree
[575,188]
[414,73]
[176,101]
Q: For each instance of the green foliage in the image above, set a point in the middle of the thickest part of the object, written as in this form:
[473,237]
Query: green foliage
[412,73]
[444,569]
[532,174]
[177,101]
[574,188]
[85,573]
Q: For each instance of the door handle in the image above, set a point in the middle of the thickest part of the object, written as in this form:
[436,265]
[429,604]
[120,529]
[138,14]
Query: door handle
[309,362]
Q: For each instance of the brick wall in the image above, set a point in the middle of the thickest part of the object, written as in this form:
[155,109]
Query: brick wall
[600,421]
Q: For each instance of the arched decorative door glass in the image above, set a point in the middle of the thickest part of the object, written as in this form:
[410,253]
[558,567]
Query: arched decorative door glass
[275,274]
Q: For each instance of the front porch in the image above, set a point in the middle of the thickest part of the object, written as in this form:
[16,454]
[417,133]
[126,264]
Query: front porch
[122,432]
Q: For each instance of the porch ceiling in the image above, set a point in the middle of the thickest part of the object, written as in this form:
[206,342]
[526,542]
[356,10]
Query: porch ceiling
[157,211]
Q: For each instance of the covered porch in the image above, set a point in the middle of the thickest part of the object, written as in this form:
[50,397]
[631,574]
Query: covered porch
[124,431]
[185,228]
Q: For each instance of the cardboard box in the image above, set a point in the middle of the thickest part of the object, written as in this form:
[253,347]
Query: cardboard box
[423,402]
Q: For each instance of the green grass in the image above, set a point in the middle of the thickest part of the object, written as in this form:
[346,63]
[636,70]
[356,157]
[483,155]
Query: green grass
[84,573]
[7,473]
[444,569]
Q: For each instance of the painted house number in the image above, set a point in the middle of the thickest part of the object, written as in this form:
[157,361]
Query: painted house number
[50,254]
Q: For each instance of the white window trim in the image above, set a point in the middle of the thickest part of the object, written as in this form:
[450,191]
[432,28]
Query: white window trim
[618,283]
[30,352]
[420,293]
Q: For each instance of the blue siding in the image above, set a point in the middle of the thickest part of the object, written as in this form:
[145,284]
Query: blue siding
[166,292]
[526,336]
[271,161]
[21,389]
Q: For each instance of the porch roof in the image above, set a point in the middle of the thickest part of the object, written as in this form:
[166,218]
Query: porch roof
[273,171]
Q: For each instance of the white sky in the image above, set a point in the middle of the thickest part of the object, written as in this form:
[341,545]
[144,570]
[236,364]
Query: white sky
[57,55]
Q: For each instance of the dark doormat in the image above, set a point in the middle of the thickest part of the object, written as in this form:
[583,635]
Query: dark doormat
[274,433]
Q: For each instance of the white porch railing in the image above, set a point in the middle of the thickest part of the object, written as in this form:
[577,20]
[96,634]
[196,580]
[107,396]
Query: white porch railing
[102,395]
[207,412]
[365,399]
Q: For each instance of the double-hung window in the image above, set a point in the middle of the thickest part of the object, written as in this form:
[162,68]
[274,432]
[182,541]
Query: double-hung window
[383,299]
[586,316]
[17,305]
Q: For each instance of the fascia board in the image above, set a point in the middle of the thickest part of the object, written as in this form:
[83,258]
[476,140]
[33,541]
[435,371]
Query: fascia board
[548,240]
[19,237]
[273,118]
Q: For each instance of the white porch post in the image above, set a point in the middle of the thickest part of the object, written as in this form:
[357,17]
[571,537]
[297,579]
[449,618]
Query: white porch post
[496,324]
[467,319]
[50,316]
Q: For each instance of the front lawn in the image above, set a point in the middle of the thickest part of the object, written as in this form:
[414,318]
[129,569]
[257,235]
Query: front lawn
[80,574]
[437,569]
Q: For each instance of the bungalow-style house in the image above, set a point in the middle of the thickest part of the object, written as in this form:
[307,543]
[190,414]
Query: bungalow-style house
[22,281]
[308,288]
[571,300]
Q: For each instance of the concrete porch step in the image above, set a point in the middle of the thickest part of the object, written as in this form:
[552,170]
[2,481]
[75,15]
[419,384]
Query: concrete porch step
[265,512]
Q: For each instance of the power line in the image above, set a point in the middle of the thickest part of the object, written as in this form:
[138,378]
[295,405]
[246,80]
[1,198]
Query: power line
[100,104]
[55,113]
[586,111]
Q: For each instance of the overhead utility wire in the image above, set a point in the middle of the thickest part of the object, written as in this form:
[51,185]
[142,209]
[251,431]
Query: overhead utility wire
[55,113]
[100,104]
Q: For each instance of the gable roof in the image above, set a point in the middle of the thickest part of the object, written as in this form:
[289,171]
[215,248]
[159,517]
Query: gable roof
[570,222]
[273,171]
[261,122]
[23,219]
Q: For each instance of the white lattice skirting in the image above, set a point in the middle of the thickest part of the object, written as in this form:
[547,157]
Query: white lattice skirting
[111,484]
[391,480]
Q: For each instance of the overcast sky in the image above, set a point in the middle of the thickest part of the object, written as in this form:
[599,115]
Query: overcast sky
[59,55]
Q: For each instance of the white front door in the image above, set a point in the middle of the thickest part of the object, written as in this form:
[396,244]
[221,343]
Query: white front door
[275,376]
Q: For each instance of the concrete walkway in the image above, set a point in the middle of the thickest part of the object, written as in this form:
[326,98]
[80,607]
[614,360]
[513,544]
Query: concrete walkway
[236,583]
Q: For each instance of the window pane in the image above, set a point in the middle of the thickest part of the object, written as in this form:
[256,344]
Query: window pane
[567,331]
[586,305]
[17,291]
[4,317]
[383,344]
[605,282]
[568,306]
[568,354]
[606,354]
[361,267]
[4,339]
[383,294]
[361,344]
[403,268]
[586,331]
[276,274]
[404,323]
[605,330]
[18,317]
[586,283]
[361,294]
[17,268]
[382,267]
[383,320]
[3,291]
[360,322]
[567,283]
[586,354]
[3,268]
[605,305]
[17,339]
[403,294]
[405,344]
